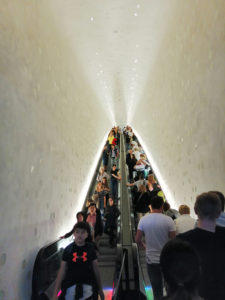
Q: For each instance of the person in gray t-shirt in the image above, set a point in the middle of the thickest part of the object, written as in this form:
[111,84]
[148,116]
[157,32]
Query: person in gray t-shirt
[158,229]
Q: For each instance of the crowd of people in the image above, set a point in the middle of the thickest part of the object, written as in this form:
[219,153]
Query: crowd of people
[185,256]
[79,276]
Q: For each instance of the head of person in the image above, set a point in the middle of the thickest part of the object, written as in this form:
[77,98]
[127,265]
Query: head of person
[208,206]
[101,170]
[99,187]
[142,188]
[113,146]
[81,232]
[114,167]
[92,208]
[151,178]
[222,198]
[111,201]
[80,216]
[132,156]
[104,181]
[142,156]
[181,269]
[88,202]
[166,206]
[157,203]
[184,209]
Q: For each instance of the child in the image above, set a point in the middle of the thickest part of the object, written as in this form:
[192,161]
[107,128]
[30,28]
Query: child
[111,215]
[79,262]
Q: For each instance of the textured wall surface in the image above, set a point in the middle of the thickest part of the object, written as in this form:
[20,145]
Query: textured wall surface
[181,116]
[51,129]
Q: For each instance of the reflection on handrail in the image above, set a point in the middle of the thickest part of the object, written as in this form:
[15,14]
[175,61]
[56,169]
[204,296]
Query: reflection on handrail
[118,282]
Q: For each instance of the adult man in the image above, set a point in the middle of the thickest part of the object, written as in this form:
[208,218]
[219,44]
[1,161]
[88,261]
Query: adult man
[184,222]
[115,178]
[210,246]
[158,229]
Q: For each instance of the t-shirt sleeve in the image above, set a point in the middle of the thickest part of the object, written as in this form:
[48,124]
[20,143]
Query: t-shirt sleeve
[140,225]
[93,254]
[65,256]
[171,224]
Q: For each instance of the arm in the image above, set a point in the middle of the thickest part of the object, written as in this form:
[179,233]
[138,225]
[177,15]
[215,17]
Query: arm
[118,176]
[68,234]
[59,279]
[172,234]
[98,278]
[130,184]
[138,238]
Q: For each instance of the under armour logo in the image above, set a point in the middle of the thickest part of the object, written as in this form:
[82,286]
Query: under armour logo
[75,256]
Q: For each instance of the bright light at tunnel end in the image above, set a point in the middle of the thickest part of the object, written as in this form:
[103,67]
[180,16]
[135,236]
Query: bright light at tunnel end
[158,174]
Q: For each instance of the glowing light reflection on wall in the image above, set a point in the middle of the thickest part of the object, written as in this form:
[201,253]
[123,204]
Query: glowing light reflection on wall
[158,174]
[91,171]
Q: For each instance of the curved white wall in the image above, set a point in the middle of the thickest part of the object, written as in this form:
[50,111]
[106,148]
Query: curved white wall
[181,115]
[67,70]
[52,126]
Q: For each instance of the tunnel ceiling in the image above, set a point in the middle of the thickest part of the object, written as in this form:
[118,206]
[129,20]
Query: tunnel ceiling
[116,43]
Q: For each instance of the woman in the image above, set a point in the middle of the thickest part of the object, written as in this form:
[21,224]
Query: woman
[102,173]
[101,192]
[152,184]
[111,137]
[142,201]
[131,162]
[181,270]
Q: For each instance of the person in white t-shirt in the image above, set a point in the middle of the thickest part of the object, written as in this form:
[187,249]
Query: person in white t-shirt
[158,229]
[184,222]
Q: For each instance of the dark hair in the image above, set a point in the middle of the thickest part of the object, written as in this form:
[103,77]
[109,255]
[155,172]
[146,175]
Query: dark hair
[82,225]
[156,202]
[181,269]
[222,198]
[208,206]
[92,204]
[79,213]
[166,206]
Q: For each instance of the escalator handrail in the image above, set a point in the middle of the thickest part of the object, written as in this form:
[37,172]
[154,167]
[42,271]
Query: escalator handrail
[116,288]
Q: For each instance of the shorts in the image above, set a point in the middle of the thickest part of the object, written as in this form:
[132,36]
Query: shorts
[87,292]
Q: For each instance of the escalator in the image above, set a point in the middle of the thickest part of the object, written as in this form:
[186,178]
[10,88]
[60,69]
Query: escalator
[123,271]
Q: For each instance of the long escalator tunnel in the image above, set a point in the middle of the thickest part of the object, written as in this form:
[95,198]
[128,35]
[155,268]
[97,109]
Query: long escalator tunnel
[120,267]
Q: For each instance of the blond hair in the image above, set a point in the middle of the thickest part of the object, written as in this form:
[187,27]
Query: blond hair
[142,188]
[184,209]
[151,178]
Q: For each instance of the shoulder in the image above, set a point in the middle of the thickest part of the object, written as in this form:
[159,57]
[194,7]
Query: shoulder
[189,235]
[70,247]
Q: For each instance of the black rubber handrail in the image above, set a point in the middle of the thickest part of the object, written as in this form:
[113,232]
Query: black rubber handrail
[119,280]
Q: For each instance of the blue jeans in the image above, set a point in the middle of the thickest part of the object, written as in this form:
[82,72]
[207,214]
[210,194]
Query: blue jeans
[155,276]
